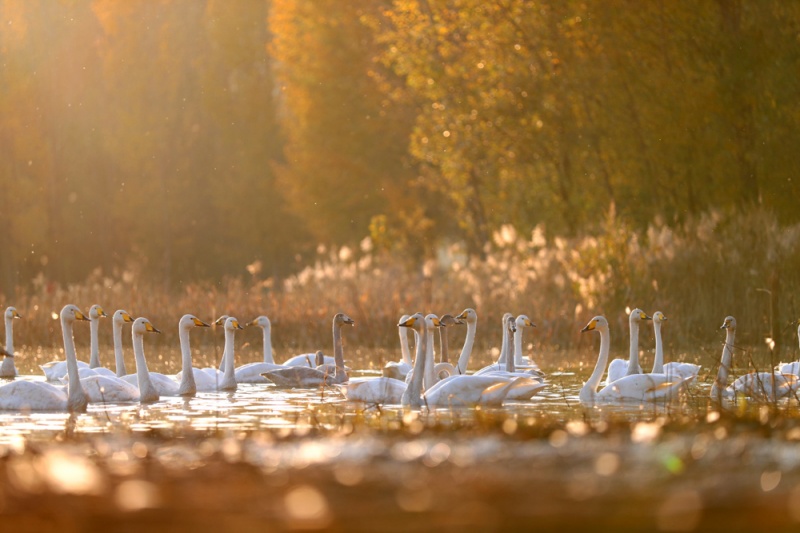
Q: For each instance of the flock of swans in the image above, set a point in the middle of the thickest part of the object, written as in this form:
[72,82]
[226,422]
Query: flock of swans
[410,382]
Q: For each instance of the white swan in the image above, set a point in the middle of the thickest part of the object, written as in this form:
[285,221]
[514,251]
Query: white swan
[621,367]
[251,372]
[400,369]
[632,388]
[208,379]
[521,322]
[683,370]
[7,368]
[454,391]
[168,385]
[305,377]
[794,367]
[55,370]
[470,317]
[111,389]
[760,386]
[501,361]
[41,396]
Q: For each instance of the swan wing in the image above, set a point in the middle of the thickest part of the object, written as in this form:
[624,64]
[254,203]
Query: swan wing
[640,388]
[251,372]
[104,389]
[380,390]
[616,369]
[31,395]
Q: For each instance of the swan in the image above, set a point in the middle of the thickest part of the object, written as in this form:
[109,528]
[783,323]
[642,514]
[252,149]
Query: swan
[470,317]
[111,389]
[251,372]
[794,367]
[41,396]
[674,368]
[7,368]
[95,314]
[444,368]
[522,321]
[454,391]
[54,370]
[631,388]
[761,386]
[519,393]
[305,377]
[431,376]
[208,379]
[118,320]
[167,385]
[400,369]
[621,367]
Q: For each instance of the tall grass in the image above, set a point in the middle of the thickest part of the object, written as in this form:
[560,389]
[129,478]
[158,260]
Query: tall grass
[696,273]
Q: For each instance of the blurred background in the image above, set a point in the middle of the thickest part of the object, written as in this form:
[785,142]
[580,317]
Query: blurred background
[566,157]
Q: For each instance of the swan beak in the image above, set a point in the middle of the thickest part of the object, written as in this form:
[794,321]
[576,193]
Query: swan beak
[80,316]
[590,326]
[219,322]
[408,323]
[15,314]
[251,323]
[530,324]
[200,324]
[645,317]
[237,325]
[126,317]
[100,312]
[151,328]
[463,315]
[437,323]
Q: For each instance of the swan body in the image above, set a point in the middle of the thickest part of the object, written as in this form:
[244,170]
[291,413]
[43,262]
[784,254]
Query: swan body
[759,386]
[621,367]
[631,388]
[794,367]
[306,377]
[380,390]
[400,369]
[95,314]
[308,360]
[683,370]
[41,396]
[7,368]
[54,370]
[166,385]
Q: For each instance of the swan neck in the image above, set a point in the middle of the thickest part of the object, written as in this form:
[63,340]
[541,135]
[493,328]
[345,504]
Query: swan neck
[339,374]
[511,365]
[76,396]
[518,346]
[589,389]
[658,363]
[146,389]
[412,396]
[445,357]
[504,345]
[188,387]
[721,382]
[404,351]
[466,351]
[94,359]
[430,373]
[119,356]
[9,335]
[228,357]
[633,362]
[268,346]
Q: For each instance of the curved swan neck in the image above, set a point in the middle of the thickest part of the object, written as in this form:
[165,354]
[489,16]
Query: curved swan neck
[119,357]
[466,351]
[268,346]
[188,387]
[633,362]
[658,363]
[405,352]
[94,350]
[147,392]
[721,382]
[9,335]
[76,396]
[412,396]
[589,389]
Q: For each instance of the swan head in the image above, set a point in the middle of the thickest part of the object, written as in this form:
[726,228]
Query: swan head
[637,315]
[522,321]
[232,324]
[432,321]
[221,320]
[121,316]
[341,318]
[597,323]
[142,325]
[70,313]
[191,321]
[510,323]
[468,315]
[729,324]
[449,320]
[262,322]
[95,312]
[11,312]
[658,317]
[413,321]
